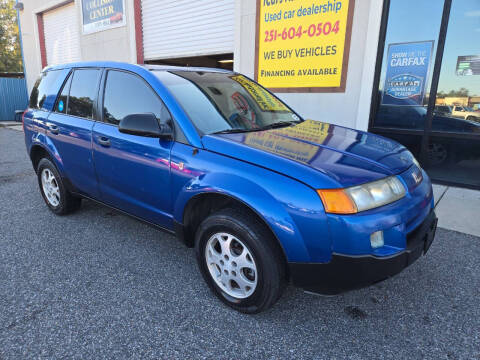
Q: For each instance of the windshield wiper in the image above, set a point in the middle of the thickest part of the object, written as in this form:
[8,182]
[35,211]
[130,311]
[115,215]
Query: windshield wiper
[266,127]
[279,125]
[231,131]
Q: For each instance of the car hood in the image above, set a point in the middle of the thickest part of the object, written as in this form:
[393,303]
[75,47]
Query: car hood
[319,154]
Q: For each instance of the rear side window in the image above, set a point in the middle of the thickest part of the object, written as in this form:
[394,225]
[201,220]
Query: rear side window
[62,101]
[127,94]
[83,93]
[44,88]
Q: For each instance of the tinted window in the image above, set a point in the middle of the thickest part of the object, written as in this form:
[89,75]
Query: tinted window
[83,93]
[127,94]
[62,99]
[43,88]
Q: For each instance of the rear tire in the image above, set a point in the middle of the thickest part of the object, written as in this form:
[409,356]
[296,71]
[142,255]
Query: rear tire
[240,260]
[58,199]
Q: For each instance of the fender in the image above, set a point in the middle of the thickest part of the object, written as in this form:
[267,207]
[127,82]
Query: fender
[282,214]
[57,161]
[50,148]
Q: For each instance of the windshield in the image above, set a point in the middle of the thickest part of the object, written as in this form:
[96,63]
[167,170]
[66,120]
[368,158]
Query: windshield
[225,102]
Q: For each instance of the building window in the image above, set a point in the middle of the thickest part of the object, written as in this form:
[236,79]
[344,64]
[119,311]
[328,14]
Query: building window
[444,132]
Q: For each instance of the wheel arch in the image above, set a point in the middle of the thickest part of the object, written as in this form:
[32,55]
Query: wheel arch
[38,152]
[278,202]
[213,201]
[202,204]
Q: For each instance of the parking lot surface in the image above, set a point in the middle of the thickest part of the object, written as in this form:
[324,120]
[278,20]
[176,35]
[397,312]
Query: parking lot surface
[97,284]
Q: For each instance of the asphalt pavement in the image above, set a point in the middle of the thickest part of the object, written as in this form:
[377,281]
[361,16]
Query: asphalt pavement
[97,284]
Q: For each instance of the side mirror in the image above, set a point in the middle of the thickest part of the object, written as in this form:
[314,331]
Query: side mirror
[145,125]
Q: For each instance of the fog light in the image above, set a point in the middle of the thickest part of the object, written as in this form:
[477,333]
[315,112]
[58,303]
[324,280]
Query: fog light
[376,239]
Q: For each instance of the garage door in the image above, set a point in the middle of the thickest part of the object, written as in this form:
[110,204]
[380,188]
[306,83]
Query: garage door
[62,37]
[180,28]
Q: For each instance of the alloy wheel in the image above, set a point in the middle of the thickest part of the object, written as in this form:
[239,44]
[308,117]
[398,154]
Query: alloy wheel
[50,187]
[231,265]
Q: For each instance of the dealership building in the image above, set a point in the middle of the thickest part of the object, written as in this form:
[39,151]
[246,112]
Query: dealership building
[405,69]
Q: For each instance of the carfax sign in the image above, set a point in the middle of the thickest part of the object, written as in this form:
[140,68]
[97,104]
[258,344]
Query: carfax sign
[407,72]
[98,15]
[303,45]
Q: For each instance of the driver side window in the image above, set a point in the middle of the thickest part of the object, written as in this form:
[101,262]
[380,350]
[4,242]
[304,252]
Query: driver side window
[127,94]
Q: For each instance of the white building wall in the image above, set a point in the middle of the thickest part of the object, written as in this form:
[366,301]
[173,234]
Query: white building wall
[350,108]
[116,44]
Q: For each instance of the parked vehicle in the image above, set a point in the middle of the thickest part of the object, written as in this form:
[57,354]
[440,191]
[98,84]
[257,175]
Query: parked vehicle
[441,149]
[465,112]
[443,110]
[264,196]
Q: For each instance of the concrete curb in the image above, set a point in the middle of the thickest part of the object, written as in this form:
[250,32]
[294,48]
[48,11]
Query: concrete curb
[9,123]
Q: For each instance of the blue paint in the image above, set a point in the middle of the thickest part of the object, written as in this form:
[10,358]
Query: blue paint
[274,172]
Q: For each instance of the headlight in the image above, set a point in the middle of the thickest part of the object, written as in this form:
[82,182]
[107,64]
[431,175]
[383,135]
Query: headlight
[363,197]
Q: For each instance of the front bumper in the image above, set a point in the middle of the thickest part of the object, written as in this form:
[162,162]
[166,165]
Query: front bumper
[345,272]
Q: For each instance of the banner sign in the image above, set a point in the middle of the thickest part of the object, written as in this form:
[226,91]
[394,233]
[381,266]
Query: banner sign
[100,15]
[303,45]
[407,71]
[263,98]
[468,65]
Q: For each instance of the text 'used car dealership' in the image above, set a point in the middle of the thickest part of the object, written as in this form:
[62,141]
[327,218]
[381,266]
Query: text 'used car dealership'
[373,65]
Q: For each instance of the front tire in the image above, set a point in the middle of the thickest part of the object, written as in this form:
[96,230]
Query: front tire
[53,189]
[240,260]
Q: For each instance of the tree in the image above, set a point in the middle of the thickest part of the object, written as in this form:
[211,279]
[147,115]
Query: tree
[462,92]
[10,52]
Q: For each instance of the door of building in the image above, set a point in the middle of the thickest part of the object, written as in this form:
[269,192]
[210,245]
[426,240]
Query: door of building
[427,85]
[62,35]
[180,29]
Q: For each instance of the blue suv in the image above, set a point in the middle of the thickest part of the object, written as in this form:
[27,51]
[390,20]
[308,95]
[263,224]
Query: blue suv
[264,196]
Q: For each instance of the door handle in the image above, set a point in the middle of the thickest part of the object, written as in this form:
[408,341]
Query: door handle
[54,129]
[104,141]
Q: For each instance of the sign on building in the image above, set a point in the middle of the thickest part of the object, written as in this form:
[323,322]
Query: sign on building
[407,71]
[100,15]
[303,45]
[468,65]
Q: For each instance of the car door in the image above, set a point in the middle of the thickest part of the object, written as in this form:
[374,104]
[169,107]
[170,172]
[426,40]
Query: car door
[69,128]
[42,99]
[133,171]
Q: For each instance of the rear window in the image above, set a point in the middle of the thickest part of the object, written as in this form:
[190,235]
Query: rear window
[45,90]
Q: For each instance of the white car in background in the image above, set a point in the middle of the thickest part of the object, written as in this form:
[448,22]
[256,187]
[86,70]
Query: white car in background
[466,113]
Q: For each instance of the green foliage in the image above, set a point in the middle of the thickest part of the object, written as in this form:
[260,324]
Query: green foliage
[10,53]
[462,92]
